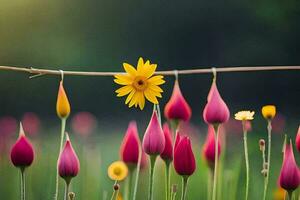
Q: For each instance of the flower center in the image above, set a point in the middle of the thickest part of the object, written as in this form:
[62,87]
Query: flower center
[117,171]
[140,83]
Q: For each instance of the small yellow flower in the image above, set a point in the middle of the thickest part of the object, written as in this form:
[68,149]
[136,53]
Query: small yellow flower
[279,194]
[119,197]
[117,171]
[63,108]
[139,84]
[268,111]
[244,115]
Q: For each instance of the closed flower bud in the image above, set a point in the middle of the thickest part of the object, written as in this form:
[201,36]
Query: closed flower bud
[298,140]
[184,159]
[289,178]
[177,108]
[268,111]
[209,150]
[63,108]
[167,154]
[22,153]
[154,139]
[262,144]
[68,163]
[215,111]
[130,146]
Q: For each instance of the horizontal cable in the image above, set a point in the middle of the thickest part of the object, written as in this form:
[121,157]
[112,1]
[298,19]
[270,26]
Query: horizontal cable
[38,72]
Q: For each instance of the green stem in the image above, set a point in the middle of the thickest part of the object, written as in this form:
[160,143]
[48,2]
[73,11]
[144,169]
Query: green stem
[167,181]
[269,158]
[151,176]
[67,186]
[184,187]
[214,194]
[290,194]
[246,158]
[62,133]
[23,194]
[137,173]
[128,184]
[209,184]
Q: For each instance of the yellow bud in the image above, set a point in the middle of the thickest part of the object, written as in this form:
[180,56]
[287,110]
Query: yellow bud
[63,108]
[268,111]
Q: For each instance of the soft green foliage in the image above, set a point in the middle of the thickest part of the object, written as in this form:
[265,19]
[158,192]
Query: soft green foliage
[98,151]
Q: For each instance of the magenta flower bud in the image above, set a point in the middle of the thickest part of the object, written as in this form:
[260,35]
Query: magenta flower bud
[184,159]
[177,108]
[167,154]
[298,139]
[289,178]
[68,163]
[130,146]
[215,111]
[154,139]
[22,153]
[209,147]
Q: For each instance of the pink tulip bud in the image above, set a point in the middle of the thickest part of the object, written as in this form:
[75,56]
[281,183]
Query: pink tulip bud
[177,108]
[130,146]
[289,178]
[68,163]
[167,154]
[22,153]
[184,160]
[209,147]
[154,139]
[215,111]
[298,139]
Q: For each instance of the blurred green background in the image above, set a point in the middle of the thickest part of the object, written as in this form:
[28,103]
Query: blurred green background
[100,36]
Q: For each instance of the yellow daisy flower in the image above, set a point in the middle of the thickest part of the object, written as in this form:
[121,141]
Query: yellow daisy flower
[139,84]
[268,111]
[117,171]
[244,115]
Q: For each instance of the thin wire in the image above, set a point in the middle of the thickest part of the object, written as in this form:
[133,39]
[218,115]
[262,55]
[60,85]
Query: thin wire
[199,70]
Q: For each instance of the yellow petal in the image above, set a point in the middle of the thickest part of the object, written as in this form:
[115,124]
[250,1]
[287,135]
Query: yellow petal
[155,88]
[121,82]
[129,69]
[149,70]
[149,95]
[124,90]
[124,77]
[142,102]
[140,66]
[129,97]
[133,100]
[156,80]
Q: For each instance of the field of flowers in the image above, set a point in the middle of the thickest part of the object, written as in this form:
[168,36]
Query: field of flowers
[168,158]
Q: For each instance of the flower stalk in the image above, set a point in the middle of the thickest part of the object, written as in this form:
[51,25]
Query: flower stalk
[138,168]
[151,176]
[67,188]
[214,193]
[268,163]
[246,158]
[168,180]
[62,133]
[23,193]
[184,187]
